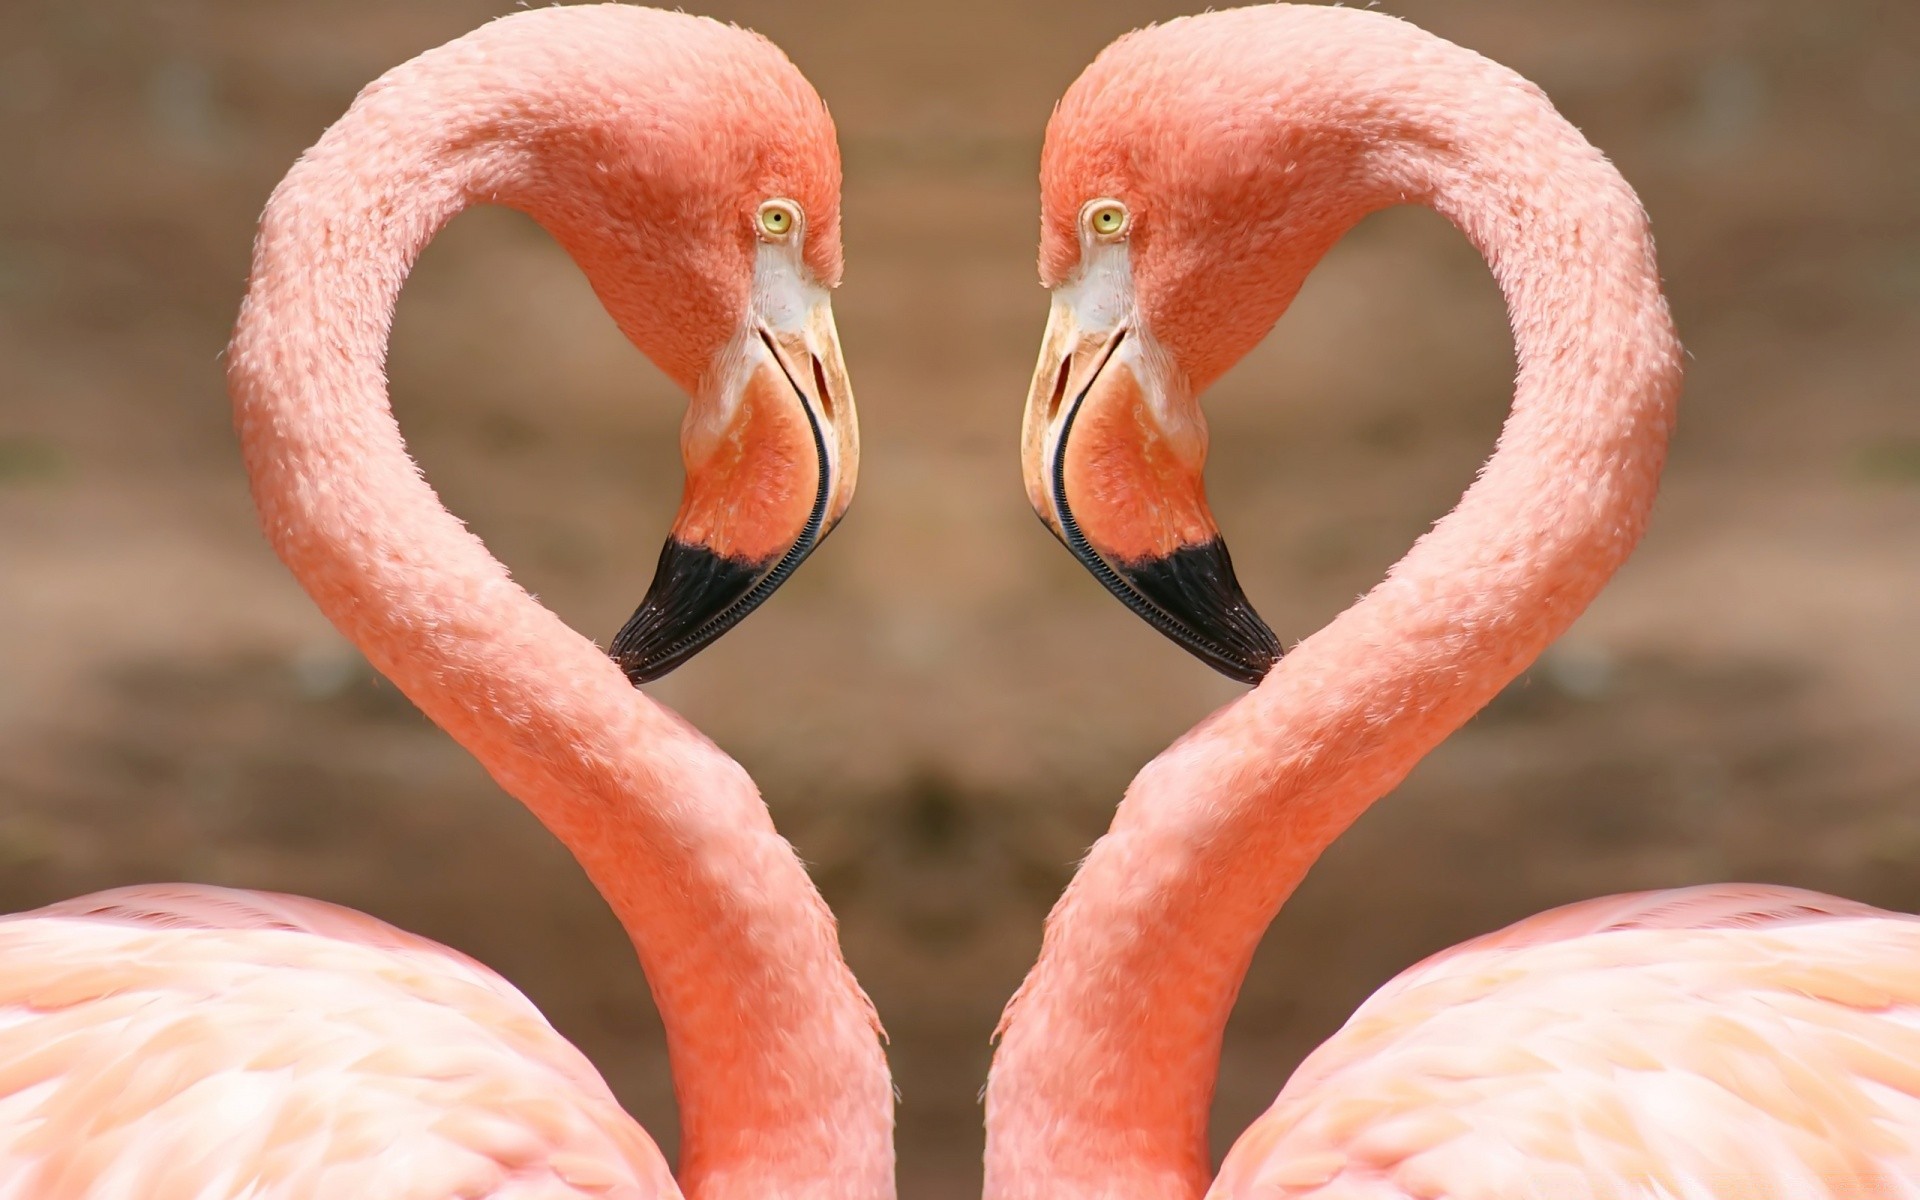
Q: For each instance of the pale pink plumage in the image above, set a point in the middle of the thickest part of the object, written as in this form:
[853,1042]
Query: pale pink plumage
[180,1042]
[1716,1042]
[200,1044]
[1707,1042]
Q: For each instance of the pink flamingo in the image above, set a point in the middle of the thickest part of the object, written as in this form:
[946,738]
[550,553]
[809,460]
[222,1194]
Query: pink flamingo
[199,1043]
[1722,1041]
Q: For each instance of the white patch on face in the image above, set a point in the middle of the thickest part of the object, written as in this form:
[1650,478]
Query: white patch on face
[1100,290]
[784,290]
[789,308]
[784,294]
[1098,300]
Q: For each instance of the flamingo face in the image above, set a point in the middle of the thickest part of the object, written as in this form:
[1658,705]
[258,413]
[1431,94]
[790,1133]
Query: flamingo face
[772,449]
[1113,449]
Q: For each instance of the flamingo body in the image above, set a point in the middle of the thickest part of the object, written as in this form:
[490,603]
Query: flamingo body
[200,1044]
[1707,1044]
[1631,1048]
[205,1042]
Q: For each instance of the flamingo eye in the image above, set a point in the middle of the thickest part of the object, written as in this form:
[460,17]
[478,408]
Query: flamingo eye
[1106,218]
[778,218]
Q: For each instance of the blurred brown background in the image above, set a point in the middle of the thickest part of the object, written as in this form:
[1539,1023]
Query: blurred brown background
[942,707]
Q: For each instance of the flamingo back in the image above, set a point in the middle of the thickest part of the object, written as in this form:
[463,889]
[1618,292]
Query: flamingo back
[188,1043]
[1699,1044]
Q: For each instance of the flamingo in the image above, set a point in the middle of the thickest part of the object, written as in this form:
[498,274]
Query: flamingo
[193,1042]
[1731,1041]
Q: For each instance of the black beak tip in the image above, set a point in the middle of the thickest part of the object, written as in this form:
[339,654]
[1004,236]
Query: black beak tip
[1193,597]
[696,596]
[1254,668]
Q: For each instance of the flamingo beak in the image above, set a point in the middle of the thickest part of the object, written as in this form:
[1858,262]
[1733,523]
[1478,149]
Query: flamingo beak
[1113,451]
[771,457]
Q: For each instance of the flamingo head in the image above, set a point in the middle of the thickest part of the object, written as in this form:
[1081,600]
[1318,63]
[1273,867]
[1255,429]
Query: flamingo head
[1190,179]
[701,196]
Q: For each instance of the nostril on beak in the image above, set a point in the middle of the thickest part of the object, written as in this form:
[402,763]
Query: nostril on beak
[820,387]
[1059,388]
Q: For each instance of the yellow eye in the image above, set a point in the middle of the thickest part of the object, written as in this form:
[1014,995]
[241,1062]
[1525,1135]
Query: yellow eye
[1108,218]
[777,218]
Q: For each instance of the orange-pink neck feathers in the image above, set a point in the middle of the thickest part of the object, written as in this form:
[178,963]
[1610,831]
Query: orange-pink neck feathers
[641,140]
[1247,142]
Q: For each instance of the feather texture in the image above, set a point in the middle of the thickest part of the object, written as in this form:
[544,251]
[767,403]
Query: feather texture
[1726,1042]
[195,1043]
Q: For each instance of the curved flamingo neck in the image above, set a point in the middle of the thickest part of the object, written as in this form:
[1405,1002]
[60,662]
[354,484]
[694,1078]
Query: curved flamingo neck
[1104,1078]
[782,1084]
